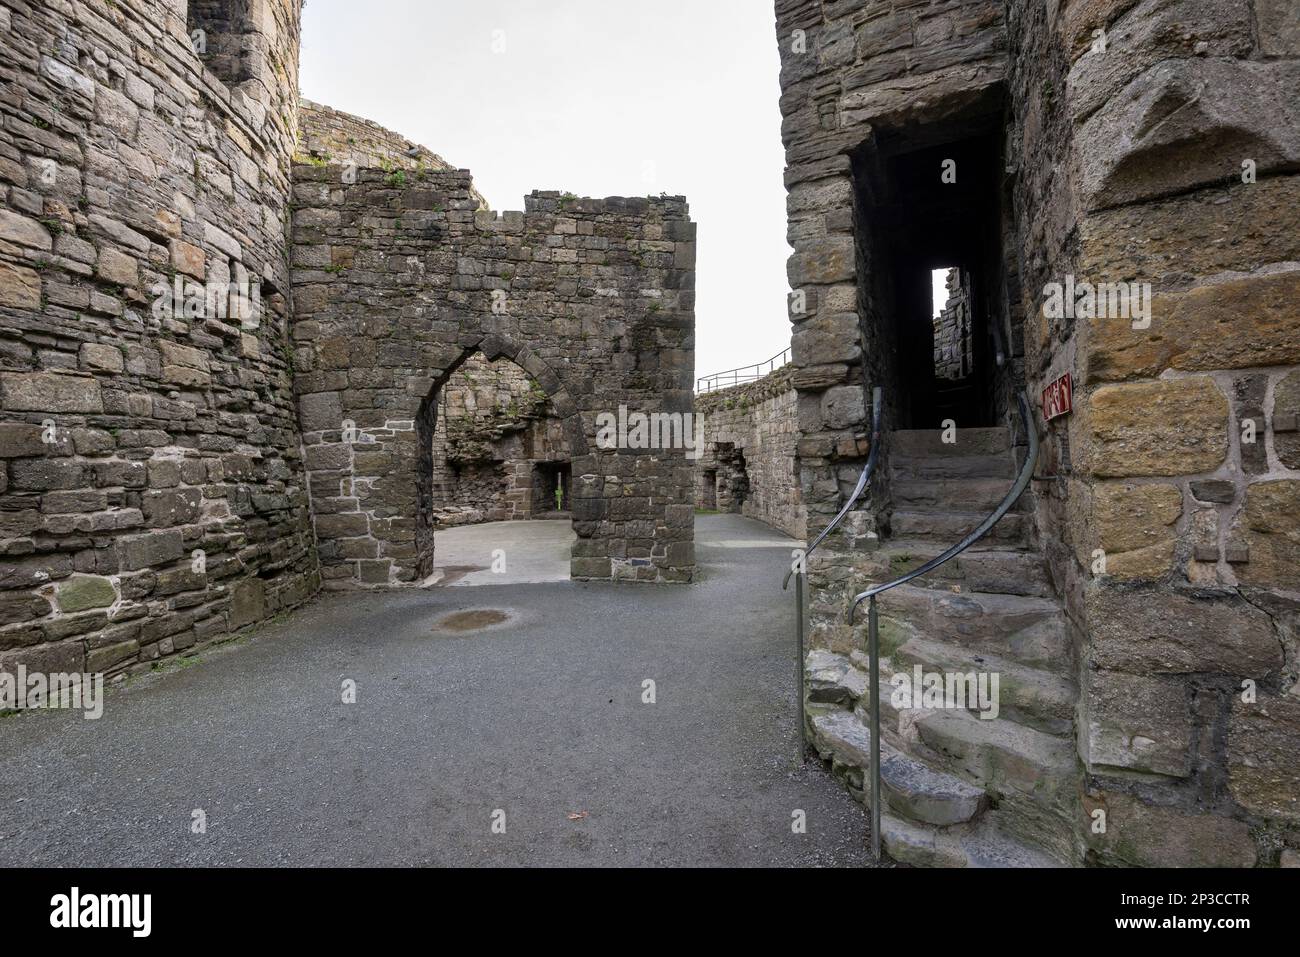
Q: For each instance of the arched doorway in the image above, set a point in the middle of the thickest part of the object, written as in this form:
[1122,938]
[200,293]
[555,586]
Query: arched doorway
[492,447]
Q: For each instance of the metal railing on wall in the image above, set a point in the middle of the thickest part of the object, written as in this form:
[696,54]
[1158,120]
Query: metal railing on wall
[871,594]
[800,566]
[725,380]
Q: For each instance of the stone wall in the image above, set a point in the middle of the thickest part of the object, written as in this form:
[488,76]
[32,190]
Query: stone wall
[1171,517]
[151,481]
[953,346]
[398,279]
[1147,141]
[494,426]
[154,488]
[757,420]
[329,136]
[851,75]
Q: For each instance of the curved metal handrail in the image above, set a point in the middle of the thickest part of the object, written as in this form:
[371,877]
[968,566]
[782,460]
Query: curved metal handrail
[1022,482]
[873,456]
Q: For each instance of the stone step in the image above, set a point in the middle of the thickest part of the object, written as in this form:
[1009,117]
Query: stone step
[1005,570]
[929,442]
[833,679]
[1030,696]
[951,527]
[926,467]
[1013,762]
[910,788]
[954,494]
[1028,630]
[980,844]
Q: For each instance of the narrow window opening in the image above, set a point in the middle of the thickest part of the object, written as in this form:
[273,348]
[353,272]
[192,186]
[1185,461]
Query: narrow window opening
[220,33]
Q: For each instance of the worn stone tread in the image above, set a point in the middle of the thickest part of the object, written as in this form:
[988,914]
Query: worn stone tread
[910,787]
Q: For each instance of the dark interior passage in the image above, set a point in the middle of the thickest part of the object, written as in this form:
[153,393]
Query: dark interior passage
[552,482]
[922,209]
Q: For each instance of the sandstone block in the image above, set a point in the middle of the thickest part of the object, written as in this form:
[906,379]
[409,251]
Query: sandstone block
[344,525]
[1135,722]
[1169,427]
[1145,835]
[1269,525]
[49,392]
[1134,525]
[168,507]
[1157,631]
[154,548]
[20,287]
[1239,228]
[320,412]
[1263,741]
[95,356]
[188,259]
[20,229]
[83,592]
[1232,324]
[827,339]
[247,603]
[824,262]
[22,440]
[844,406]
[99,660]
[1286,420]
[1158,135]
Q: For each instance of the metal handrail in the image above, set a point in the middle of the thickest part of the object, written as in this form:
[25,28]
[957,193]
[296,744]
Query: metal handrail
[870,595]
[1022,482]
[873,456]
[714,380]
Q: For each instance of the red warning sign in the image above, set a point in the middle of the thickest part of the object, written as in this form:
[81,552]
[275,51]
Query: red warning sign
[1058,398]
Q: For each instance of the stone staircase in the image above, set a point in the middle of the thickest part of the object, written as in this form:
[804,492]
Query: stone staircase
[959,790]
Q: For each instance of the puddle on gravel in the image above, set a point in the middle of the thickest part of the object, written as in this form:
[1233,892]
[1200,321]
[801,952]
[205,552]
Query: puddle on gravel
[474,619]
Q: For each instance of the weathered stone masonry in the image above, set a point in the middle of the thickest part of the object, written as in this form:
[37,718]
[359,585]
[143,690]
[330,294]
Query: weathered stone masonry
[1124,162]
[754,423]
[154,488]
[498,447]
[125,163]
[398,279]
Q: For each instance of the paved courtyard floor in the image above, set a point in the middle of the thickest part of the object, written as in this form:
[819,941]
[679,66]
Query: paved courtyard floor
[504,553]
[536,721]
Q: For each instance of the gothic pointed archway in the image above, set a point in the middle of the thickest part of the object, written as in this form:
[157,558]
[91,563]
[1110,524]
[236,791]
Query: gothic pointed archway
[585,481]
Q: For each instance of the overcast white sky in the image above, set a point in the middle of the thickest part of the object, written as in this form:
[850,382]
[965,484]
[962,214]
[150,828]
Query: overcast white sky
[599,98]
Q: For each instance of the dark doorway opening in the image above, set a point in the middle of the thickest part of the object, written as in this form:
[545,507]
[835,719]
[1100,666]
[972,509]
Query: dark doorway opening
[930,214]
[708,495]
[733,478]
[552,482]
[219,31]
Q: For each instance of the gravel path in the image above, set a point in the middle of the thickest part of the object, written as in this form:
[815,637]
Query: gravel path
[540,717]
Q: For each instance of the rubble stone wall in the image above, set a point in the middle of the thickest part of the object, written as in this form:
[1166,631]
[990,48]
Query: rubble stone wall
[494,424]
[758,420]
[1151,142]
[953,352]
[398,279]
[1172,515]
[331,136]
[154,488]
[851,72]
[152,493]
